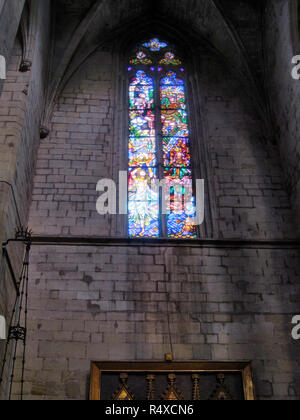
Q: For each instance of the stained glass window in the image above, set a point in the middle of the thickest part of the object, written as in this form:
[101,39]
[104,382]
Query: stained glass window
[159,145]
[155,45]
[141,58]
[169,58]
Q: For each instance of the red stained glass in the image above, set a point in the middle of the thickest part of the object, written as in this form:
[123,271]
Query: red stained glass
[170,59]
[146,108]
[176,152]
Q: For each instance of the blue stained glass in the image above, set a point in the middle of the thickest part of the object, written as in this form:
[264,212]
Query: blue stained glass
[155,45]
[171,79]
[181,212]
[142,123]
[143,195]
[174,123]
[142,151]
[141,92]
[143,220]
[142,79]
[143,203]
[179,227]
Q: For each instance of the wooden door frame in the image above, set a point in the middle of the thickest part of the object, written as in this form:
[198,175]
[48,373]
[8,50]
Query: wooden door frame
[244,368]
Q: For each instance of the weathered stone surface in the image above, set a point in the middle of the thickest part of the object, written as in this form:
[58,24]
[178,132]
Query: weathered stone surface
[113,302]
[223,322]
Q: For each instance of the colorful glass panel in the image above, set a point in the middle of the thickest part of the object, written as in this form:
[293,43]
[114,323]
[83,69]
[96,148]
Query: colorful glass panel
[171,79]
[141,182]
[174,123]
[141,92]
[142,123]
[170,59]
[177,173]
[146,108]
[143,203]
[181,207]
[176,152]
[155,45]
[172,97]
[142,151]
[176,195]
[142,78]
[180,227]
[141,58]
[143,219]
[177,159]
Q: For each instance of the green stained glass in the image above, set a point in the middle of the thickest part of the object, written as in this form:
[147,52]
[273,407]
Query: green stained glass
[158,117]
[170,59]
[174,123]
[142,123]
[172,97]
[141,58]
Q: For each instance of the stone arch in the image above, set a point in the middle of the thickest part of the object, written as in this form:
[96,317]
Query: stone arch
[94,32]
[187,48]
[251,140]
[121,40]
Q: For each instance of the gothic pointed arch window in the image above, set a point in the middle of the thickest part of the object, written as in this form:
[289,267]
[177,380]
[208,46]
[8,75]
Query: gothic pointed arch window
[159,145]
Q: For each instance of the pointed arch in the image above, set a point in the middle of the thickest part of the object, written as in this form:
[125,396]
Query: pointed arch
[193,21]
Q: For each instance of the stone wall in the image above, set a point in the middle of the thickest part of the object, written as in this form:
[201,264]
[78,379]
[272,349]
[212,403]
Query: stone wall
[112,303]
[217,300]
[11,11]
[76,155]
[281,47]
[85,145]
[21,107]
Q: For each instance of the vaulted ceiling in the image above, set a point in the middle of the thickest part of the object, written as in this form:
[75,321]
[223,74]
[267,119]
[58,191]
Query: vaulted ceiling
[233,29]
